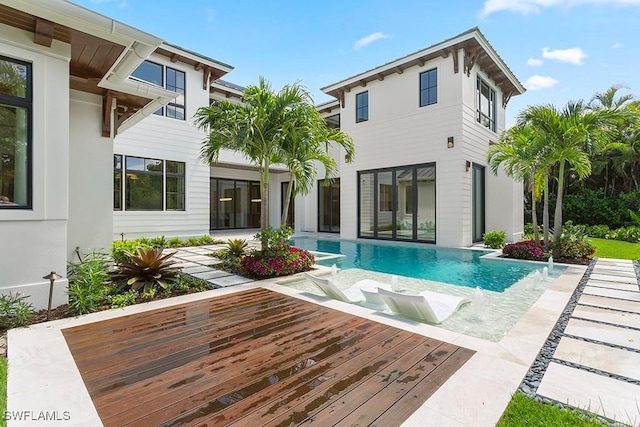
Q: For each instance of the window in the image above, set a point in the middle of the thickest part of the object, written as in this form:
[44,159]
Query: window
[176,83]
[486,105]
[117,182]
[148,184]
[169,78]
[385,197]
[362,107]
[429,87]
[175,186]
[15,134]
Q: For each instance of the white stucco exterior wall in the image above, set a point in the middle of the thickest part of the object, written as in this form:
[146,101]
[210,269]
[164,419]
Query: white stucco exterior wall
[90,178]
[34,242]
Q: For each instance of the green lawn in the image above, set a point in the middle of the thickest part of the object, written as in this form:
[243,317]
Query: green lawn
[525,412]
[615,249]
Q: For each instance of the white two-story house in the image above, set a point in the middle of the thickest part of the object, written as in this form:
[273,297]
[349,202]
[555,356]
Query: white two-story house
[422,125]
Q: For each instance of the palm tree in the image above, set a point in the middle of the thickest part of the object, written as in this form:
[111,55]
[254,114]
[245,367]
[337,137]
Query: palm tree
[256,128]
[308,144]
[570,136]
[519,154]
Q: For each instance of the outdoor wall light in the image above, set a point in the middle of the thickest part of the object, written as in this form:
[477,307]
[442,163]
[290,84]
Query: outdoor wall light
[226,199]
[450,142]
[468,165]
[51,277]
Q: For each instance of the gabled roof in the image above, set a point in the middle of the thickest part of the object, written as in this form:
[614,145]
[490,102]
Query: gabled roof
[477,50]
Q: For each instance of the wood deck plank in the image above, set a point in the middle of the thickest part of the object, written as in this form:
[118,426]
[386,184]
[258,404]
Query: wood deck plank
[365,352]
[255,357]
[209,339]
[220,368]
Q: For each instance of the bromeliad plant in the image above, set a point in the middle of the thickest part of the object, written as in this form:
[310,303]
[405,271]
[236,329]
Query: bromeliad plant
[146,270]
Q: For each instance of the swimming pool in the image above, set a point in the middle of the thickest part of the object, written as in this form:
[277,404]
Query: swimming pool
[460,267]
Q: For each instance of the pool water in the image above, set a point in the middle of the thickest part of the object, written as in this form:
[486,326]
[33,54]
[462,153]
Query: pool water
[461,267]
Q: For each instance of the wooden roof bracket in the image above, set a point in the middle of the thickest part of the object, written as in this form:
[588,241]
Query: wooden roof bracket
[109,103]
[506,96]
[470,58]
[124,116]
[341,98]
[454,55]
[206,77]
[43,34]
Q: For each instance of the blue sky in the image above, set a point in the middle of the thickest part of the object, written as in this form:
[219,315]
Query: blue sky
[560,50]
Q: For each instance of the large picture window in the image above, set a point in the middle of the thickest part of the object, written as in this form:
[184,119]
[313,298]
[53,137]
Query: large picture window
[486,105]
[15,134]
[169,78]
[429,87]
[148,184]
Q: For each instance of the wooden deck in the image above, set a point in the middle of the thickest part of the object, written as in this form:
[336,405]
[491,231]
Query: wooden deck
[256,358]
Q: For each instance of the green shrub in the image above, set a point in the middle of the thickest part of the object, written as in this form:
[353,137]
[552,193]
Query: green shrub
[626,234]
[89,283]
[147,269]
[573,242]
[15,311]
[207,240]
[598,231]
[119,248]
[185,283]
[192,241]
[158,242]
[591,207]
[495,239]
[275,236]
[174,242]
[236,247]
[123,300]
[276,261]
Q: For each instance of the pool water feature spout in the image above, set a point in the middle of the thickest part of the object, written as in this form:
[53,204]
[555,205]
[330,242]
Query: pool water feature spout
[545,273]
[478,303]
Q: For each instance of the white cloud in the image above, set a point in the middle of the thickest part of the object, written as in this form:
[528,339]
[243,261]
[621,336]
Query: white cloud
[537,82]
[369,39]
[534,62]
[574,55]
[616,45]
[535,6]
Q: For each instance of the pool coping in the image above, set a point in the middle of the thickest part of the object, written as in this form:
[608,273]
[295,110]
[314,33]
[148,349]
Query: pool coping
[42,369]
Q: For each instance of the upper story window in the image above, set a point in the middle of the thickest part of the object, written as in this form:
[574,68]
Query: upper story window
[429,87]
[148,184]
[486,105]
[16,101]
[362,107]
[169,78]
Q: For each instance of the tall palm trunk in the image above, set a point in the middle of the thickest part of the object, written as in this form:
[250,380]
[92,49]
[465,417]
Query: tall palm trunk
[264,204]
[545,216]
[534,214]
[557,217]
[287,200]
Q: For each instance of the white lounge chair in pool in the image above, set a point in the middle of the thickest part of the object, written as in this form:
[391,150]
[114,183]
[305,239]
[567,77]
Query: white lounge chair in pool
[428,306]
[352,294]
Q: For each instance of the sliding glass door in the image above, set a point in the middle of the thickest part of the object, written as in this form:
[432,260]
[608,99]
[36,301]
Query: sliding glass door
[329,206]
[234,204]
[398,203]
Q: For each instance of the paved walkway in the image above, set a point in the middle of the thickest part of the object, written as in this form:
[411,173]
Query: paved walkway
[592,358]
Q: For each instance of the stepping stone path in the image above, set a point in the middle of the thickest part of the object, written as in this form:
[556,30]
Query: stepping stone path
[197,262]
[591,360]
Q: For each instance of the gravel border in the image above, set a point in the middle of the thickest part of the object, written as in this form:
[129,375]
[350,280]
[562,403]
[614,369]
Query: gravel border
[532,379]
